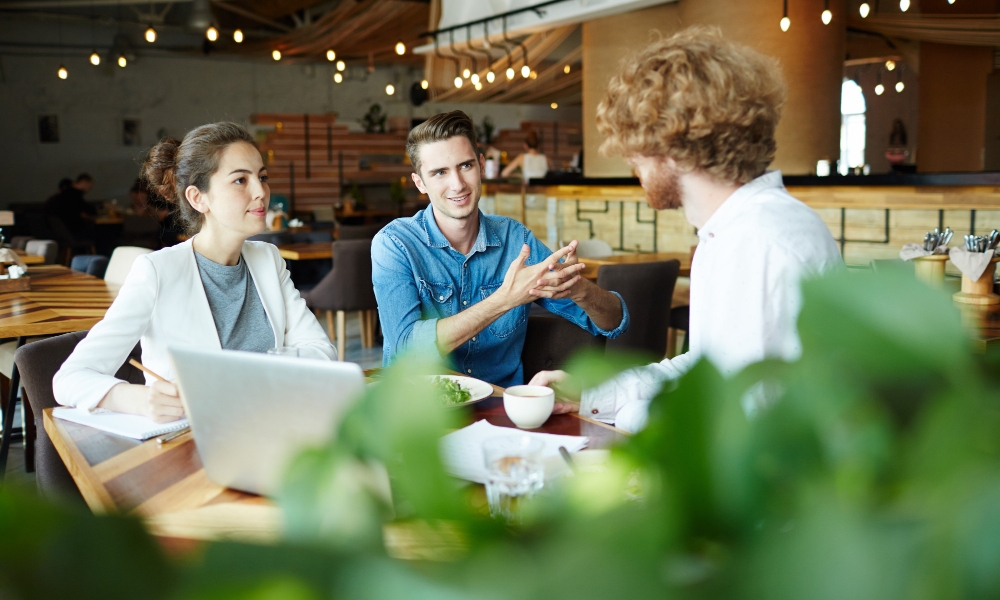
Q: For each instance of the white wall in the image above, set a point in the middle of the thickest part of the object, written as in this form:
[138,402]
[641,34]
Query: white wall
[172,95]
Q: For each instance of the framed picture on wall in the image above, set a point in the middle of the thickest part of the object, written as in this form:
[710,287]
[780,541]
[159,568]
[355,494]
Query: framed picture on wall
[131,132]
[48,129]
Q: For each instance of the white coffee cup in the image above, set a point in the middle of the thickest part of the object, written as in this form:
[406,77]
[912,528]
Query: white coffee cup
[528,406]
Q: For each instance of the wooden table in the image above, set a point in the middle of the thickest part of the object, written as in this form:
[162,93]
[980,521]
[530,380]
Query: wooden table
[306,251]
[60,301]
[594,264]
[30,259]
[167,487]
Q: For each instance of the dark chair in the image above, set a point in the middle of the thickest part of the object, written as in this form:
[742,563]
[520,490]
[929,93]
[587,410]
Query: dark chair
[37,363]
[680,317]
[550,341]
[91,264]
[312,237]
[347,287]
[648,289]
[20,241]
[273,237]
[358,232]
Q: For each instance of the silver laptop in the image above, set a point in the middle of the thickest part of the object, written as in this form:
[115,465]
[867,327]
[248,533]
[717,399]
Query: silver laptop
[252,413]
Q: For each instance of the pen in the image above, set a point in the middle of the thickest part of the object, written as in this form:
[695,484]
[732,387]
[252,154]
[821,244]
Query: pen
[172,436]
[138,365]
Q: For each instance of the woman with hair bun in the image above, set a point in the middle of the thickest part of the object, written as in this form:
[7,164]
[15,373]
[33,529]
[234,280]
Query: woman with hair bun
[216,290]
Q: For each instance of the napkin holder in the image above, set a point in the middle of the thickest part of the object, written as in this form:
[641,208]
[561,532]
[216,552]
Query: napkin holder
[980,291]
[21,284]
[930,269]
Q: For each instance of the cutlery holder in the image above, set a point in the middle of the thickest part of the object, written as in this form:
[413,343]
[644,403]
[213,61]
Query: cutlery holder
[980,291]
[930,269]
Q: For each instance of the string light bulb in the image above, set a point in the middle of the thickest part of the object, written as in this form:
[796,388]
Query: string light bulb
[827,16]
[510,73]
[533,74]
[390,90]
[337,77]
[122,61]
[566,69]
[95,59]
[400,48]
[879,89]
[466,73]
[865,10]
[276,54]
[458,82]
[150,34]
[890,65]
[491,77]
[212,33]
[479,87]
[900,87]
[341,65]
[62,72]
[525,71]
[424,84]
[904,5]
[554,105]
[475,78]
[331,55]
[785,23]
[238,36]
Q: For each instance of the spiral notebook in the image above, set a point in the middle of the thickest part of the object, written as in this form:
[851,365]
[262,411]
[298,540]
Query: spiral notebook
[131,426]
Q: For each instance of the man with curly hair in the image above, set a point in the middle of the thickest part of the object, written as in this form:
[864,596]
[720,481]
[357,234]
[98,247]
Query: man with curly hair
[694,115]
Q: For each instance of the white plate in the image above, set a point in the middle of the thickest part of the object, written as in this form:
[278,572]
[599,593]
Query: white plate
[479,389]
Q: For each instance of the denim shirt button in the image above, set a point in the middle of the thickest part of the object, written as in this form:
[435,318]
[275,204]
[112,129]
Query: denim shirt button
[473,338]
[470,371]
[464,302]
[440,297]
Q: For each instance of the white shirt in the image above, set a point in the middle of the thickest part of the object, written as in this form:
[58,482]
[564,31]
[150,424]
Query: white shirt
[745,296]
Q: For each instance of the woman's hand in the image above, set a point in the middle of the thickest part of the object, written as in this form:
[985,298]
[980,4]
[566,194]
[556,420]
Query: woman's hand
[160,402]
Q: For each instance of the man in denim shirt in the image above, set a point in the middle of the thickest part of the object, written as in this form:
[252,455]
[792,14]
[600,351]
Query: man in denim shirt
[455,282]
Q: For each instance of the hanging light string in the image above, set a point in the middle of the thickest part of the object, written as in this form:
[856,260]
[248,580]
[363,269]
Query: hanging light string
[785,22]
[489,58]
[507,44]
[490,75]
[827,16]
[458,67]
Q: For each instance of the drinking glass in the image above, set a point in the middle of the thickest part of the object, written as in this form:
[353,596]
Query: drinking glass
[284,351]
[513,470]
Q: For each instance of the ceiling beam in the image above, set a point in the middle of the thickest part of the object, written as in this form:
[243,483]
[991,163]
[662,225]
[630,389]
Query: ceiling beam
[249,14]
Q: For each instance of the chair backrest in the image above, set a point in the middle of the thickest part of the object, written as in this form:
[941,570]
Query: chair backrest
[48,249]
[20,241]
[358,232]
[594,248]
[312,237]
[550,341]
[37,362]
[91,264]
[648,289]
[121,263]
[348,286]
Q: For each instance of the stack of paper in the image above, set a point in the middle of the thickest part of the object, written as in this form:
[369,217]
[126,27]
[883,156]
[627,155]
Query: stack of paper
[462,450]
[132,426]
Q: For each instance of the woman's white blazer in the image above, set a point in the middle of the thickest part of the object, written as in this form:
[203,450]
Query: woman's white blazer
[163,304]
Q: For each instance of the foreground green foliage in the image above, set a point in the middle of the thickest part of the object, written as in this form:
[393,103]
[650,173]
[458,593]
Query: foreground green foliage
[874,473]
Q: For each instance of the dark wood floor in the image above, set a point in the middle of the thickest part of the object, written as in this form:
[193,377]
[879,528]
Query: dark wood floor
[15,466]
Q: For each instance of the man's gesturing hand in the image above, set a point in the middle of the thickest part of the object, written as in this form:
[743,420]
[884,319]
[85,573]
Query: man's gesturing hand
[564,280]
[520,279]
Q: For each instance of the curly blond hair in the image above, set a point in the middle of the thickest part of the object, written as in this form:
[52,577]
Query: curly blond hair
[708,103]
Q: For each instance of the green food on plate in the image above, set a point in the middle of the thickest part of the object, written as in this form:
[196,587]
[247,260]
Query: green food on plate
[451,391]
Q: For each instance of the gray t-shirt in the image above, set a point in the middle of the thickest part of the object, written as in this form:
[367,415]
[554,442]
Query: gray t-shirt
[239,315]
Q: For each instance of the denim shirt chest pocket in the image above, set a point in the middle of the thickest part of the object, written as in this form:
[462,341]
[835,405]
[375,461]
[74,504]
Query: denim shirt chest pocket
[510,321]
[437,298]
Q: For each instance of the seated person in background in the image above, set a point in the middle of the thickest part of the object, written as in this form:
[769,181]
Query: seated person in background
[455,282]
[533,164]
[216,290]
[70,207]
[139,198]
[695,144]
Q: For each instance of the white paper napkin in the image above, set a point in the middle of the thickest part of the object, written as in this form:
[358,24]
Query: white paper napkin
[9,256]
[971,264]
[911,251]
[462,450]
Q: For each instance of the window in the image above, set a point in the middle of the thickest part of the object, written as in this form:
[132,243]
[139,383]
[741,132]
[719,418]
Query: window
[852,126]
